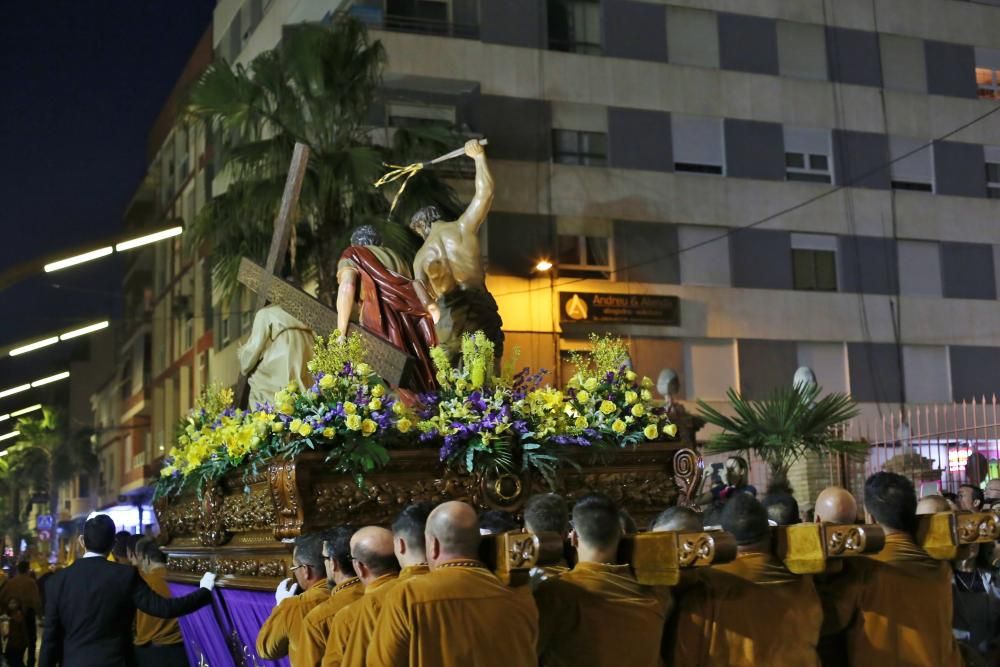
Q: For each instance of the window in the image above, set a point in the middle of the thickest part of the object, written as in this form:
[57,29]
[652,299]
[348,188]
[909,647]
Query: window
[988,73]
[410,114]
[583,247]
[256,13]
[802,50]
[83,486]
[692,37]
[807,155]
[233,40]
[814,262]
[168,170]
[189,207]
[203,369]
[580,147]
[912,164]
[246,312]
[188,333]
[224,333]
[575,25]
[903,63]
[992,172]
[697,143]
[183,154]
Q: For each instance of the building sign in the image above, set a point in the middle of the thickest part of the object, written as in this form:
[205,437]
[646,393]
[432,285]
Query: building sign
[628,308]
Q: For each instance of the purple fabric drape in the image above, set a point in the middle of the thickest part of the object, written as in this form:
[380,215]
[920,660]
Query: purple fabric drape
[248,611]
[203,635]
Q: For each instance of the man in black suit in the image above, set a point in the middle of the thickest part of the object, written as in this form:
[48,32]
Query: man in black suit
[89,606]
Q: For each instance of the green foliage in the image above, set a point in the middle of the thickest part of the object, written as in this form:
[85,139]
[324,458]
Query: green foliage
[783,428]
[316,88]
[607,355]
[332,354]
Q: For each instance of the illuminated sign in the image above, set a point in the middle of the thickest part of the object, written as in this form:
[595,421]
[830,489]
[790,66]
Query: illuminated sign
[627,308]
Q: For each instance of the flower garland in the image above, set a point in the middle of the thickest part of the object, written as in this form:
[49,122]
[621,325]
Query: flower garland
[478,420]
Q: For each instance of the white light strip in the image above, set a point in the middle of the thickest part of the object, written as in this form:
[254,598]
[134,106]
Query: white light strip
[4,453]
[14,390]
[84,330]
[51,378]
[8,436]
[149,238]
[4,418]
[45,342]
[24,411]
[78,259]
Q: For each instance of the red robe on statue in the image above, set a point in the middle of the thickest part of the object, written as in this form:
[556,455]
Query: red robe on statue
[391,309]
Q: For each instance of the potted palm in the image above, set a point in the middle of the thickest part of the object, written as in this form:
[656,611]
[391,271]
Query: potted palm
[781,429]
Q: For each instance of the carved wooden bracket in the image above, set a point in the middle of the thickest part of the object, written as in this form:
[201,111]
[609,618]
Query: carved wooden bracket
[287,479]
[211,532]
[688,470]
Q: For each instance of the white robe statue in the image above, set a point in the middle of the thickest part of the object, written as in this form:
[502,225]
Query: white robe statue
[278,352]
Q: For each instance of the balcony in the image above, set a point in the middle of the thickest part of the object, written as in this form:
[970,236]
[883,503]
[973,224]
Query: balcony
[378,17]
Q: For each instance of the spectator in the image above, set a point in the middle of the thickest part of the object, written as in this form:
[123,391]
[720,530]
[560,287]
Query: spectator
[970,498]
[495,522]
[119,551]
[17,634]
[24,589]
[782,509]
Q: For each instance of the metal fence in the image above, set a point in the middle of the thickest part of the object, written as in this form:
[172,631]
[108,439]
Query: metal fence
[939,447]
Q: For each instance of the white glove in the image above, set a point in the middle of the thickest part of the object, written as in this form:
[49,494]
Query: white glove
[285,590]
[208,580]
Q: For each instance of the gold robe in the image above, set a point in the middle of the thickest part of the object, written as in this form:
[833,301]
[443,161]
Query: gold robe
[151,629]
[896,607]
[279,635]
[344,623]
[316,627]
[457,615]
[751,611]
[357,646]
[598,614]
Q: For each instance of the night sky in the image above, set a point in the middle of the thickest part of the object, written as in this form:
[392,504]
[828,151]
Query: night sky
[82,83]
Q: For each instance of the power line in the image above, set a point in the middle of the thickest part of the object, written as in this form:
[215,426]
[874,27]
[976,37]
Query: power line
[777,214]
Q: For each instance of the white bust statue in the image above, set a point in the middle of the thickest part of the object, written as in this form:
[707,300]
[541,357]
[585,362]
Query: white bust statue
[804,376]
[668,384]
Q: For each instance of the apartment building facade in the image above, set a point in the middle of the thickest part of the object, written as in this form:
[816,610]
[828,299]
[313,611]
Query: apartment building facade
[815,183]
[738,188]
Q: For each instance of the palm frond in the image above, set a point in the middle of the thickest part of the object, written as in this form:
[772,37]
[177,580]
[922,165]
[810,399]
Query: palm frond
[784,427]
[317,87]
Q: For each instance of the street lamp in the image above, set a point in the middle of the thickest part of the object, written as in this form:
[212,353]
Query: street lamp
[55,338]
[118,247]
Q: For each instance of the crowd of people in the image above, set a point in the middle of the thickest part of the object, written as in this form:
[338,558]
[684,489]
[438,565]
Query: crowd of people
[112,607]
[416,593]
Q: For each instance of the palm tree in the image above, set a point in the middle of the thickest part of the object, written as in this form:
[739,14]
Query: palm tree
[783,428]
[317,87]
[44,457]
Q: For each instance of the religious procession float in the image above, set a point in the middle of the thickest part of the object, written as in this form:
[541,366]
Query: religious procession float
[410,403]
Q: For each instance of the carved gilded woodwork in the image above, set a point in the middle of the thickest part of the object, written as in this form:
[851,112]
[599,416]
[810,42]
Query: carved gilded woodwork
[512,555]
[211,532]
[845,540]
[705,548]
[806,548]
[941,535]
[250,510]
[688,470]
[241,519]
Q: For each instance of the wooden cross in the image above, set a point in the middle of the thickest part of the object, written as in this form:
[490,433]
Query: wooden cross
[394,365]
